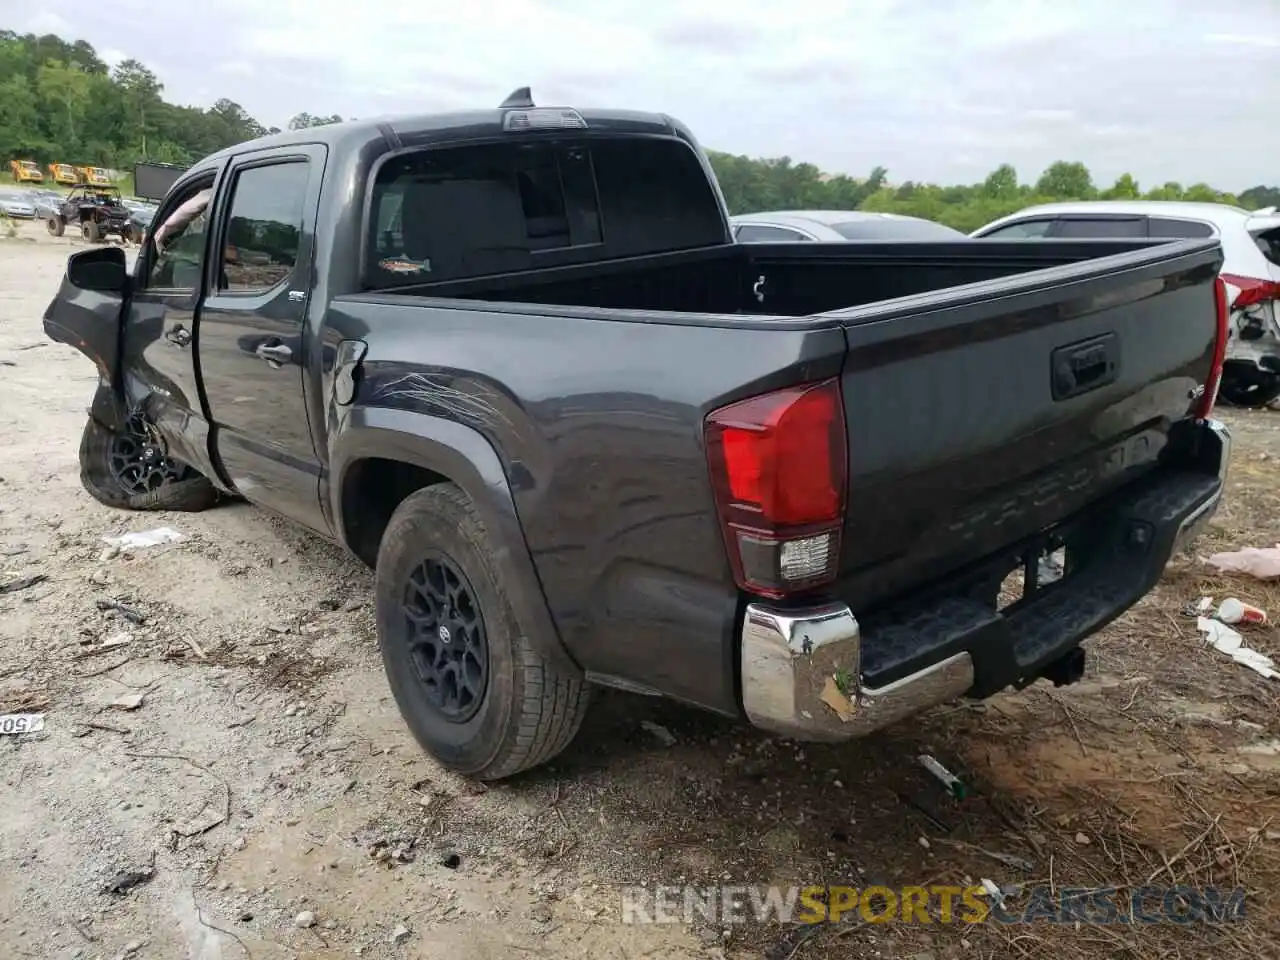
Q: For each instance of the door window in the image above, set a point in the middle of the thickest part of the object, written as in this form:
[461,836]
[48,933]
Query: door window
[759,233]
[1025,230]
[179,243]
[264,227]
[1102,228]
[1167,228]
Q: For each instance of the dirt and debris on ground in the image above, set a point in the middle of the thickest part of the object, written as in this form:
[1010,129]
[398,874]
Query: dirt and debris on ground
[260,798]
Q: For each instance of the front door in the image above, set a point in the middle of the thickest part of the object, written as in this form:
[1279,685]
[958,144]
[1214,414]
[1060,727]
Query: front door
[251,332]
[159,337]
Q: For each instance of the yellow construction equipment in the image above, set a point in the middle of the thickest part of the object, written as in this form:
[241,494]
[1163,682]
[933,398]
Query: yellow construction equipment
[64,174]
[26,171]
[94,176]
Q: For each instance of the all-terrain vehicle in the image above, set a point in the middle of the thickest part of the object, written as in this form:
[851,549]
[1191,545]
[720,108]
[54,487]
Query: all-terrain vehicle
[97,212]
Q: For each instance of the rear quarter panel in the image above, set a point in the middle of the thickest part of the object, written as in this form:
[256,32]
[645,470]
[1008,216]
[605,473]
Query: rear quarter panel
[598,426]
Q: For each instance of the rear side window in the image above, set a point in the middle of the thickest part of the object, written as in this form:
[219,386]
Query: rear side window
[1163,227]
[1103,228]
[759,233]
[459,212]
[1269,243]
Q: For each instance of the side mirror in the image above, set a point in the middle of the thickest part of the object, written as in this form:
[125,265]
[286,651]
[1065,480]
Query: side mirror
[101,269]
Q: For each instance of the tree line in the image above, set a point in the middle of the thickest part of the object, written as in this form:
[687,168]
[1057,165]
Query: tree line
[60,102]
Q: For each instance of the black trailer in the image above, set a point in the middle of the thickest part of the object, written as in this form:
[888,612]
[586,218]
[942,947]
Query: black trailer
[151,181]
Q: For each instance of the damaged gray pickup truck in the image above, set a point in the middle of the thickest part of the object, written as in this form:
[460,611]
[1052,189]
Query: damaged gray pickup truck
[512,360]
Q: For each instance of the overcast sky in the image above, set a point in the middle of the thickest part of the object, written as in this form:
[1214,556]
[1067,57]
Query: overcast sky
[940,90]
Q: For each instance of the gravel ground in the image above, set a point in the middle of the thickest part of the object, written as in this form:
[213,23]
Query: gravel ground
[265,801]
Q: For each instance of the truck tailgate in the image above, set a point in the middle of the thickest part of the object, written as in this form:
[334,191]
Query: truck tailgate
[980,415]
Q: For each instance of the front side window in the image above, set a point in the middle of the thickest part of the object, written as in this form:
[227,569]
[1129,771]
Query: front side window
[264,227]
[179,243]
[1026,230]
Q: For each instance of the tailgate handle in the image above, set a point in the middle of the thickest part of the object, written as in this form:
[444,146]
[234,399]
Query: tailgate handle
[1080,367]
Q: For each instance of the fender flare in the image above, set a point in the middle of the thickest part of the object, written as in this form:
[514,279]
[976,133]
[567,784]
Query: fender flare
[108,407]
[468,460]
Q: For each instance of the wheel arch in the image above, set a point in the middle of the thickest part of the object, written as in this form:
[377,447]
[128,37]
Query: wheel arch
[382,455]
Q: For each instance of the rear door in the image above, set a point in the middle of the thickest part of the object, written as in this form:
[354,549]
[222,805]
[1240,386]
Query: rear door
[251,330]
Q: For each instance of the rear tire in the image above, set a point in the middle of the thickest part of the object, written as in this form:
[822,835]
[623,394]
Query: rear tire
[56,227]
[1254,390]
[472,689]
[116,472]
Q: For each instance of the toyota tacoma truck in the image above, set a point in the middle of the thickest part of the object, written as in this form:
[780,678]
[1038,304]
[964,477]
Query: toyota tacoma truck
[513,361]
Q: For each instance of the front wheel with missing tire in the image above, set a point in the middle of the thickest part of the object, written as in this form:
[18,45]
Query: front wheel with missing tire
[127,469]
[472,689]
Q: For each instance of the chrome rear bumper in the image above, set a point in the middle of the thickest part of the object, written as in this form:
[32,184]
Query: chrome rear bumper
[802,669]
[801,676]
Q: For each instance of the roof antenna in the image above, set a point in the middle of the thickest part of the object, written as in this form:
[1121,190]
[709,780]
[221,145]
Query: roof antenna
[521,97]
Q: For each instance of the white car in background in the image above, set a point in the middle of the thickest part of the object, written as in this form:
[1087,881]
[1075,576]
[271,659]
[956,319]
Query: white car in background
[1251,247]
[17,204]
[835,226]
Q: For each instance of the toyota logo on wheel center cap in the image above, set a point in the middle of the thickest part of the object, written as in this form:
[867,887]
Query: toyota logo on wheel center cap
[443,634]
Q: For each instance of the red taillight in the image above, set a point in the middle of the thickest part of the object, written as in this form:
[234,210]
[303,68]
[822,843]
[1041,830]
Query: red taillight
[1222,307]
[1252,290]
[778,468]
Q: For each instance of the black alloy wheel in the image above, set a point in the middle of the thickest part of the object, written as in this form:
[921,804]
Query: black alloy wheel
[445,633]
[138,463]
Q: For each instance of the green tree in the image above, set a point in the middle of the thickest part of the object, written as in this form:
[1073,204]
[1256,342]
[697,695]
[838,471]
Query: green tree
[302,121]
[63,89]
[1125,188]
[1172,190]
[1001,183]
[140,95]
[1256,198]
[1067,181]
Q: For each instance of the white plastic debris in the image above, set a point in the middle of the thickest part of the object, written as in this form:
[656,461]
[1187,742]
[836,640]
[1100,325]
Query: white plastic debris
[1260,562]
[144,538]
[994,892]
[15,723]
[1225,640]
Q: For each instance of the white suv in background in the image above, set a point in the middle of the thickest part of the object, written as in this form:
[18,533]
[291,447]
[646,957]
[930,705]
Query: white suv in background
[1250,243]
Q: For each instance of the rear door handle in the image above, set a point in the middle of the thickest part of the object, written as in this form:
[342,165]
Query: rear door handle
[179,335]
[274,353]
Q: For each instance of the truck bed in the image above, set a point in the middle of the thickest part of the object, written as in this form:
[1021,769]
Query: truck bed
[800,279]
